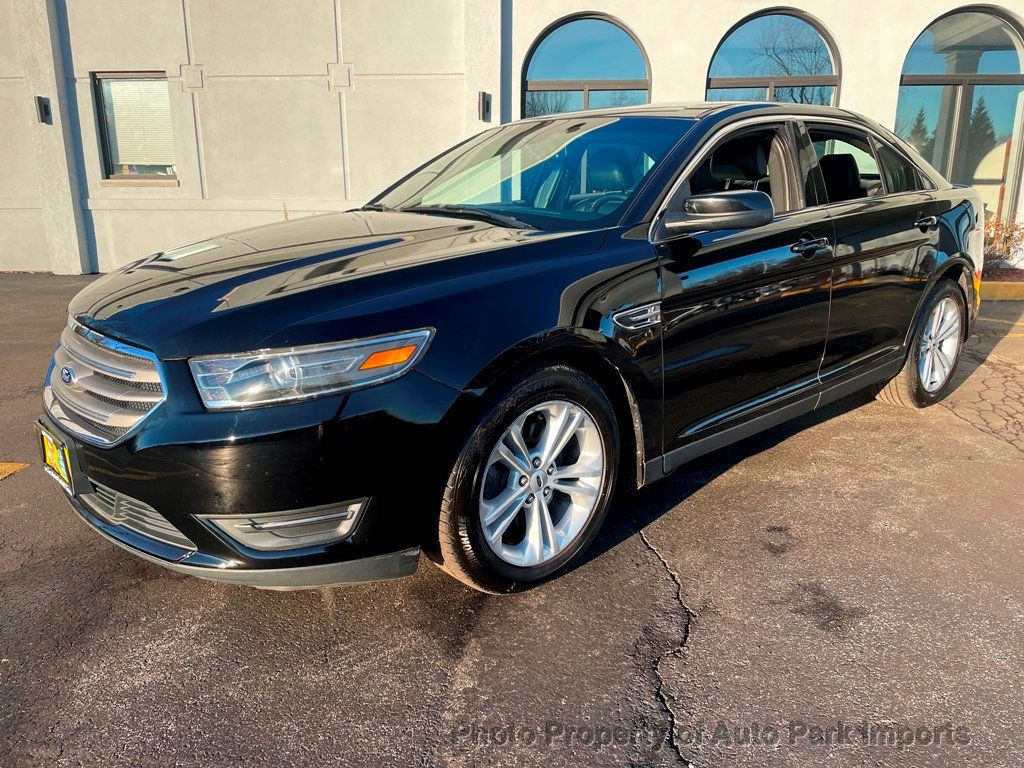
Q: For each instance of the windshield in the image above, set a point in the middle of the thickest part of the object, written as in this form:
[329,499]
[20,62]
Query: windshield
[559,173]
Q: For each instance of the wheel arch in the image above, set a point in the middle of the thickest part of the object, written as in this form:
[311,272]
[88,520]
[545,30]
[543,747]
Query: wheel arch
[957,269]
[588,351]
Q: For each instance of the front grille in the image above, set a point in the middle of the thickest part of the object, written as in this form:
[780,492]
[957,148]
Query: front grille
[115,508]
[101,389]
[148,386]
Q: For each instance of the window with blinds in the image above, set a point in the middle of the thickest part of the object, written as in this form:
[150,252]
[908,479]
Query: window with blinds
[136,125]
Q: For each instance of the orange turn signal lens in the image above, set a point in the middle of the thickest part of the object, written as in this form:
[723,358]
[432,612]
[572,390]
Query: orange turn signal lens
[386,357]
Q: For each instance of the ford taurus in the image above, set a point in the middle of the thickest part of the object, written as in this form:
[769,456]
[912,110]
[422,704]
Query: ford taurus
[470,364]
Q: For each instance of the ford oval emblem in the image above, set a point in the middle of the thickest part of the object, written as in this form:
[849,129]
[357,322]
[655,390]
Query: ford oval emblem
[67,374]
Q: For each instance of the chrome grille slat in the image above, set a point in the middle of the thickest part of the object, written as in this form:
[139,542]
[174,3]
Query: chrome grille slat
[89,350]
[83,402]
[116,508]
[113,386]
[106,386]
[144,386]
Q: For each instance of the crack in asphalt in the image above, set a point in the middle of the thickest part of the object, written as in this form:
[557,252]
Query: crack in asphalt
[676,652]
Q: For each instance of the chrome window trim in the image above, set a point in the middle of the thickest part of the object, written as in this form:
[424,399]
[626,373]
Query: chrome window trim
[711,141]
[872,133]
[51,401]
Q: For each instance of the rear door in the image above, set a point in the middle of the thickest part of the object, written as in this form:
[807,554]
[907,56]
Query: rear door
[885,242]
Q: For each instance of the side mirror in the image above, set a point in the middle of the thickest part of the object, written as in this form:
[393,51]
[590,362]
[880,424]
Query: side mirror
[740,209]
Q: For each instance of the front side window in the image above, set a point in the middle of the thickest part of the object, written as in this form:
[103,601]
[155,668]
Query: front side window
[135,125]
[774,57]
[558,173]
[757,160]
[847,164]
[585,63]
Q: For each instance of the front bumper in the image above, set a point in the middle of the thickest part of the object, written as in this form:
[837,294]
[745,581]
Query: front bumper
[393,565]
[376,446]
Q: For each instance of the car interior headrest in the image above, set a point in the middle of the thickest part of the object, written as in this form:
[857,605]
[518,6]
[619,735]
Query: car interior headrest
[842,177]
[740,160]
[607,170]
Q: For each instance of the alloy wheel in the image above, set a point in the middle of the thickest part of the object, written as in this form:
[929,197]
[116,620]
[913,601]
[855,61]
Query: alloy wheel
[542,482]
[940,345]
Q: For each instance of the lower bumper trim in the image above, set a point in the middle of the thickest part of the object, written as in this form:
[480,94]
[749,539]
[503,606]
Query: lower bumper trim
[392,565]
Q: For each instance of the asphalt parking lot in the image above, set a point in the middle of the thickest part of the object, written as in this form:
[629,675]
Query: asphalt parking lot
[844,590]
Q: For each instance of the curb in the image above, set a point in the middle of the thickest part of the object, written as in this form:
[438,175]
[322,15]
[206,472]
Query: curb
[999,291]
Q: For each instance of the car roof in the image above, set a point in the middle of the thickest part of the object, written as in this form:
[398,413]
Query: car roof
[726,111]
[698,110]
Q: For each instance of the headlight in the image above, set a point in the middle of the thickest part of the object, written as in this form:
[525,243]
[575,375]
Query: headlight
[279,375]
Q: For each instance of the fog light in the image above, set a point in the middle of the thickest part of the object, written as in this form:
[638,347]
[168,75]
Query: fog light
[292,529]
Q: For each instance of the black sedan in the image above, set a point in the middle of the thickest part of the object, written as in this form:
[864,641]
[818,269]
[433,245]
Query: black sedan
[471,363]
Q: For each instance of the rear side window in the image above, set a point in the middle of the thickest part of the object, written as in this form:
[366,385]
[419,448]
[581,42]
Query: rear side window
[900,175]
[847,164]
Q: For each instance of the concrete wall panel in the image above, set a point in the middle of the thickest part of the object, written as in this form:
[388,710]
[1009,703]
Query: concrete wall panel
[272,139]
[399,37]
[18,177]
[395,125]
[264,37]
[10,55]
[125,36]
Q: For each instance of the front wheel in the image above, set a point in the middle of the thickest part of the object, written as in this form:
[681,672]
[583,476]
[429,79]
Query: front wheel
[927,375]
[531,487]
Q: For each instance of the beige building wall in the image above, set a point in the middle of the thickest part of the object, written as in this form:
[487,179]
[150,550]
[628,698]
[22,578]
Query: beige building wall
[286,108]
[22,243]
[279,110]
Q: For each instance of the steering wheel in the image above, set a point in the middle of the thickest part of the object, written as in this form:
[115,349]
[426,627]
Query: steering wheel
[594,204]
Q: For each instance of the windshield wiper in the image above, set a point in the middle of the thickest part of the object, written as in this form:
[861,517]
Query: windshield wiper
[469,212]
[375,207]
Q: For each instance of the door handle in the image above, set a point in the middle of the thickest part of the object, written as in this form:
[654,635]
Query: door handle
[809,248]
[927,222]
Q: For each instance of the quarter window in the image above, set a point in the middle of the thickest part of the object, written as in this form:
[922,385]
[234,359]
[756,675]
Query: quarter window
[898,173]
[135,125]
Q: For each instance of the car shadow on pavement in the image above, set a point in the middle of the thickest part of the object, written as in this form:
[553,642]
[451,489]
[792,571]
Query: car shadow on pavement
[634,510]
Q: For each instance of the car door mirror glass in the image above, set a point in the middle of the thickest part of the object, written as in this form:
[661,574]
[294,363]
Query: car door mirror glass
[715,211]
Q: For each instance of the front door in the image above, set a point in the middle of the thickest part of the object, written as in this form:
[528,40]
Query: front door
[745,312]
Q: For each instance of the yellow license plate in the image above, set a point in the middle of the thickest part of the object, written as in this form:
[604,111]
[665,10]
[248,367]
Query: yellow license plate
[55,456]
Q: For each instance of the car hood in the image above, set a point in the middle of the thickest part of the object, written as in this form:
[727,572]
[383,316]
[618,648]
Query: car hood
[245,290]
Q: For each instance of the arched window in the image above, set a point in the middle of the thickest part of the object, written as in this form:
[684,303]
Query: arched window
[774,57]
[961,100]
[584,63]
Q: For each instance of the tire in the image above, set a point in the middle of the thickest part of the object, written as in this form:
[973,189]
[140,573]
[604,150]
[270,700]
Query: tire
[907,389]
[481,481]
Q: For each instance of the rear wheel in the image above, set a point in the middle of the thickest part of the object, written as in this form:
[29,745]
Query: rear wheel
[927,375]
[531,487]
